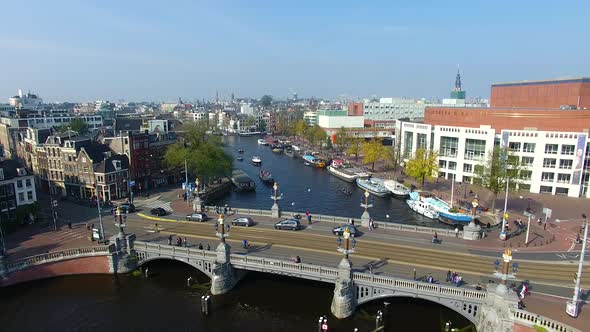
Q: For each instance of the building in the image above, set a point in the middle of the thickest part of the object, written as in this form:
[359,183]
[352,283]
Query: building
[17,187]
[551,141]
[336,119]
[310,117]
[394,109]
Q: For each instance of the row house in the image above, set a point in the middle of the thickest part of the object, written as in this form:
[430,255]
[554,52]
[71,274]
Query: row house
[17,188]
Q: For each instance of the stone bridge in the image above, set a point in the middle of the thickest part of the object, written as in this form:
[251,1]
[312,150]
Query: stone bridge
[488,310]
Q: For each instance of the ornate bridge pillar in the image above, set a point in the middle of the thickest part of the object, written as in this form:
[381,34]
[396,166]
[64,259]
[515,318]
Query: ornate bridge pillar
[122,258]
[344,300]
[224,277]
[495,313]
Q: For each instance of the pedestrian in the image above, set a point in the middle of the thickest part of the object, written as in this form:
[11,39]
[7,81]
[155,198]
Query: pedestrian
[371,268]
[200,246]
[170,240]
[414,273]
[179,242]
[352,221]
[225,209]
[456,232]
[309,219]
[539,221]
[208,246]
[448,276]
[184,241]
[87,226]
[545,225]
[156,228]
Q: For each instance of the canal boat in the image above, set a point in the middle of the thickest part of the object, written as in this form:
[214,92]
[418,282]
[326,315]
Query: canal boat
[242,181]
[342,171]
[291,152]
[240,159]
[313,161]
[396,188]
[261,141]
[240,150]
[419,204]
[276,148]
[256,161]
[266,176]
[373,185]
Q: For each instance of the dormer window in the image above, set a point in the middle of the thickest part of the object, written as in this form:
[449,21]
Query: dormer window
[117,165]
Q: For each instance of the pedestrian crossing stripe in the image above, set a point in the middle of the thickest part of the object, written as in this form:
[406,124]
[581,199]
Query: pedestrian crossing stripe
[157,204]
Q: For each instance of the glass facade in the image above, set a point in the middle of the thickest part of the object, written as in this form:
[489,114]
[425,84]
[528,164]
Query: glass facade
[475,149]
[448,146]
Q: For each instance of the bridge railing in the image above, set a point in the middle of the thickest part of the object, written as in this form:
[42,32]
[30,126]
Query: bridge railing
[242,261]
[377,280]
[163,249]
[531,319]
[57,256]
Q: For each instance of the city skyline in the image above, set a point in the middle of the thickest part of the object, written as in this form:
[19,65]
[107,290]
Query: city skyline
[145,51]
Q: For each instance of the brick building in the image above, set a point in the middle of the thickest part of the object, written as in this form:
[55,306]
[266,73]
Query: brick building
[570,93]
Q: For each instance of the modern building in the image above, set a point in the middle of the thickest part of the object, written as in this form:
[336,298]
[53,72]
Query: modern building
[394,109]
[336,119]
[550,140]
[310,118]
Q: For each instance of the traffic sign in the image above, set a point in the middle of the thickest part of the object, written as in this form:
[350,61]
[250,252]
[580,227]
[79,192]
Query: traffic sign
[528,215]
[131,183]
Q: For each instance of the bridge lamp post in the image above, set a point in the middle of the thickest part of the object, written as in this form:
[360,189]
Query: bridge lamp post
[503,234]
[366,205]
[348,244]
[504,276]
[221,229]
[121,217]
[197,201]
[573,307]
[275,210]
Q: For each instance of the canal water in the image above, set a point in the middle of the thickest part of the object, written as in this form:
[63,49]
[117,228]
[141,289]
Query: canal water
[163,302]
[304,188]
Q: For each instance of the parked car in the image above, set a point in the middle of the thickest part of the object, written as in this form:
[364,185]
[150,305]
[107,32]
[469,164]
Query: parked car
[158,211]
[292,224]
[197,217]
[243,221]
[339,230]
[125,208]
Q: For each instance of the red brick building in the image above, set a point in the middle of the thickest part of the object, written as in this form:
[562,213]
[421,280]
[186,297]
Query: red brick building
[355,108]
[571,93]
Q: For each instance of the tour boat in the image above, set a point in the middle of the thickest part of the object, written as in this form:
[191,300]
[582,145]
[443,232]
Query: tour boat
[262,142]
[241,180]
[420,205]
[373,185]
[339,170]
[396,188]
[256,161]
[313,161]
[266,176]
[249,133]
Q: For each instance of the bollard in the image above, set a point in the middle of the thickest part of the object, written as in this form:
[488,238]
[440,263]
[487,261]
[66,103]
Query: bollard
[189,282]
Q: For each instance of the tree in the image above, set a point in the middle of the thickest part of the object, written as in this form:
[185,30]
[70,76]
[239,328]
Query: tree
[235,125]
[300,127]
[499,165]
[374,151]
[249,121]
[355,146]
[266,100]
[262,125]
[203,153]
[78,125]
[342,139]
[318,134]
[394,155]
[423,165]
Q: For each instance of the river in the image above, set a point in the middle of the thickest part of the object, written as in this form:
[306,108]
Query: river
[163,302]
[308,189]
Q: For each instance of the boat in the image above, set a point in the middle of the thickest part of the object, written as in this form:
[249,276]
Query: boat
[266,176]
[249,133]
[396,188]
[261,141]
[313,161]
[241,151]
[373,185]
[257,161]
[276,148]
[420,205]
[242,181]
[290,152]
[240,159]
[342,171]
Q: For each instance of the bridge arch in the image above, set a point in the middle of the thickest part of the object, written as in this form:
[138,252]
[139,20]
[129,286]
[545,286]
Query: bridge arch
[206,267]
[469,310]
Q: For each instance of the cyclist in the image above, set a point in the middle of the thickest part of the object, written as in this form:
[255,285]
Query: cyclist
[245,244]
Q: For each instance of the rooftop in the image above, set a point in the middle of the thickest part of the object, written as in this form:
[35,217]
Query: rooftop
[552,81]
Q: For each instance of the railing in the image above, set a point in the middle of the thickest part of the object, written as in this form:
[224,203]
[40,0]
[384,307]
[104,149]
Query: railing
[57,256]
[247,262]
[530,319]
[173,250]
[421,287]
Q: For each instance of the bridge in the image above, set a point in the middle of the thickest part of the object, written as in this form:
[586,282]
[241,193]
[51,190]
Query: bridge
[487,310]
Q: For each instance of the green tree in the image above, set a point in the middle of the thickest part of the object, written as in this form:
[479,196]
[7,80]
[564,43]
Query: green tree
[423,165]
[300,128]
[266,101]
[262,125]
[78,125]
[342,139]
[394,156]
[499,165]
[235,125]
[355,145]
[249,121]
[374,151]
[318,134]
[204,153]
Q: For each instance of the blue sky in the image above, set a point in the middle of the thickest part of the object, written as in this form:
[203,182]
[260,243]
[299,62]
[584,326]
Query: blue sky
[162,50]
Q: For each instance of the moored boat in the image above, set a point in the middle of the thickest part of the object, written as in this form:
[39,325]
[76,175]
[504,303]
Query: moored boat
[291,152]
[373,185]
[313,161]
[421,206]
[242,181]
[240,159]
[257,161]
[262,141]
[396,188]
[276,148]
[340,170]
[240,150]
[266,176]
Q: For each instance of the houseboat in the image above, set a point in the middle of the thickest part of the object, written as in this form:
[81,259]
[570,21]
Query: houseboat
[242,181]
[373,185]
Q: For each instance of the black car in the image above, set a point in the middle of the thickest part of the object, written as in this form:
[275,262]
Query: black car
[291,224]
[339,230]
[125,208]
[158,211]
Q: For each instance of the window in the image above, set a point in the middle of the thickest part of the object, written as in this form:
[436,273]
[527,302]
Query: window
[422,141]
[564,178]
[568,149]
[30,195]
[566,163]
[524,187]
[409,142]
[21,197]
[475,149]
[467,168]
[452,165]
[442,163]
[561,191]
[551,148]
[448,146]
[514,146]
[28,182]
[528,147]
[547,176]
[546,190]
[19,183]
[549,162]
[526,175]
[527,161]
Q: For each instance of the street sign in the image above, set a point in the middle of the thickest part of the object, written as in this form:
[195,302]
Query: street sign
[131,183]
[547,212]
[528,215]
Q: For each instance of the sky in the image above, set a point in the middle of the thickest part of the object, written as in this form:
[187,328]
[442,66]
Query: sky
[162,50]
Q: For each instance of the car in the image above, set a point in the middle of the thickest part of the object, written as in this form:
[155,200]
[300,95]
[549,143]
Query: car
[125,208]
[339,230]
[197,217]
[243,221]
[158,211]
[292,224]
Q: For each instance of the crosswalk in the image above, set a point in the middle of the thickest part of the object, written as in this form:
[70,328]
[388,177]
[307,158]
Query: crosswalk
[158,203]
[64,234]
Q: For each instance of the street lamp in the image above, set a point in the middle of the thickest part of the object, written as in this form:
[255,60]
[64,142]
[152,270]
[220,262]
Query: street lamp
[275,211]
[503,235]
[122,218]
[221,230]
[504,276]
[99,214]
[573,307]
[366,205]
[348,244]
